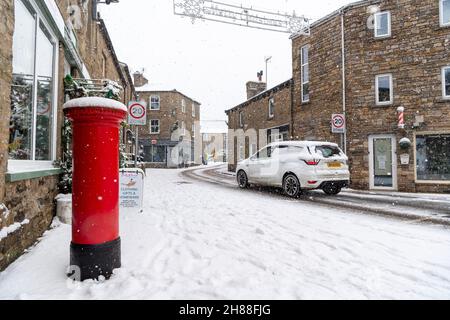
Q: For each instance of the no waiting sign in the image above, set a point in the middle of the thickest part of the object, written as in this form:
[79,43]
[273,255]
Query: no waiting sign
[338,124]
[137,113]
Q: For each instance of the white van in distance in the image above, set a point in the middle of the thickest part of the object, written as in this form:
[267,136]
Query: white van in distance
[296,166]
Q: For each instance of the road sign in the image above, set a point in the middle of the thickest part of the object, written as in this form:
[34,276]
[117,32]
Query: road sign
[137,113]
[154,142]
[338,124]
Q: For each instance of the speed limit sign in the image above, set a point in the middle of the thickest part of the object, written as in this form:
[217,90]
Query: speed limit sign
[137,113]
[338,124]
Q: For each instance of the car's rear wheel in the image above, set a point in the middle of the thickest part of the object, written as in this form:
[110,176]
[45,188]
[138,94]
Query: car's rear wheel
[291,185]
[242,179]
[332,189]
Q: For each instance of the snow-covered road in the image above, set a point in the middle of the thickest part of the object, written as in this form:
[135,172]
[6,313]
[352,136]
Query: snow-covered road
[201,241]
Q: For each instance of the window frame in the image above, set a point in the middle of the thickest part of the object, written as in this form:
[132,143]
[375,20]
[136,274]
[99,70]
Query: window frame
[271,108]
[194,113]
[241,119]
[193,130]
[302,65]
[389,34]
[441,15]
[151,126]
[23,166]
[426,133]
[159,102]
[444,94]
[391,91]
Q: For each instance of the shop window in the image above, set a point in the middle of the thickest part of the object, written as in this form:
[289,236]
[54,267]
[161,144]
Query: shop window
[32,123]
[155,154]
[433,157]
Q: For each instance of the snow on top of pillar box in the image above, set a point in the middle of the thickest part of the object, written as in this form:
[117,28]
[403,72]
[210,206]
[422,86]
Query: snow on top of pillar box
[95,102]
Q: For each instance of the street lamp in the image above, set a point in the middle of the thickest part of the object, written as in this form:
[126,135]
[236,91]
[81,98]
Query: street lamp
[267,59]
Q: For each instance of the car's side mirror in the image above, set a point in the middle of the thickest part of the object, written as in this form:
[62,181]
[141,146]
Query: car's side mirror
[253,158]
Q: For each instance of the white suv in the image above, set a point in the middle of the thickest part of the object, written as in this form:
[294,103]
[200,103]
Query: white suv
[296,166]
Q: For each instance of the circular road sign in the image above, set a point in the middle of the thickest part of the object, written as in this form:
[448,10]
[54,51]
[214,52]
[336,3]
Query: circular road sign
[338,121]
[137,111]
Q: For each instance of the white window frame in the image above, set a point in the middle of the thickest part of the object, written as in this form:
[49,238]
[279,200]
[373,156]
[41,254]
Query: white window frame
[271,112]
[391,91]
[159,126]
[444,95]
[441,15]
[380,36]
[241,119]
[183,105]
[22,166]
[193,131]
[193,110]
[302,65]
[159,102]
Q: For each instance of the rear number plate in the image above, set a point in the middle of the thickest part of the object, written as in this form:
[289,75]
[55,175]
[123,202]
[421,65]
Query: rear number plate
[334,165]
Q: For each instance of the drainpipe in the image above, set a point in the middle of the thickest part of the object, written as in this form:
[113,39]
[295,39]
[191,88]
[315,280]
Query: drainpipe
[292,109]
[344,98]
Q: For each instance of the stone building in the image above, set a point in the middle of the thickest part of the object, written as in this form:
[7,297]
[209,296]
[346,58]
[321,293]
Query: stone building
[265,117]
[368,60]
[172,136]
[42,42]
[214,140]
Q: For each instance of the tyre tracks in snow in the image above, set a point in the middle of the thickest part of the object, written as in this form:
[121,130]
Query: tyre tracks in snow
[410,208]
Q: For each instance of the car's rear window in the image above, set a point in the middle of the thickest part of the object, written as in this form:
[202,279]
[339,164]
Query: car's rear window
[328,151]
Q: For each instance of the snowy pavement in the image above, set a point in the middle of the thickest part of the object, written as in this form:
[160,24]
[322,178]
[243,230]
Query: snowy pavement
[197,240]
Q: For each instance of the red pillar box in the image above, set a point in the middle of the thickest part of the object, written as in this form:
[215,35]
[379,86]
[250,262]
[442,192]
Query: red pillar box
[95,247]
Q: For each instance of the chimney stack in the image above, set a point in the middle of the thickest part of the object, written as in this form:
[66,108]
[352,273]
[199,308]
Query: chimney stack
[254,88]
[139,79]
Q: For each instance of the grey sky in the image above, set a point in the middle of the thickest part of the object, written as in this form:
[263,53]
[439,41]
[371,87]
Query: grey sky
[208,61]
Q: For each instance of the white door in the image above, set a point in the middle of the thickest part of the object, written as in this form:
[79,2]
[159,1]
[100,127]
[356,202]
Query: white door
[383,162]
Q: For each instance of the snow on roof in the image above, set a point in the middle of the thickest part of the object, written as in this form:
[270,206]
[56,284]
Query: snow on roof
[154,87]
[95,102]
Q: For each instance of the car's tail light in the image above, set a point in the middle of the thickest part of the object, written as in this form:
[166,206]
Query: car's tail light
[312,162]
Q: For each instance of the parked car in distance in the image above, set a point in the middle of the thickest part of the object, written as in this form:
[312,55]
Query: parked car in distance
[296,166]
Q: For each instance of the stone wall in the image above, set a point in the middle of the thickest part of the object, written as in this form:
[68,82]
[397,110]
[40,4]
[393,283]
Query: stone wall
[28,201]
[256,120]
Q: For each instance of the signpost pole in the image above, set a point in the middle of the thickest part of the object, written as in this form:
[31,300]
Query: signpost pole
[136,148]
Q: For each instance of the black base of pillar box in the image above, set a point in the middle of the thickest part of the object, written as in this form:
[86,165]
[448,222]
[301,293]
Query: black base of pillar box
[93,261]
